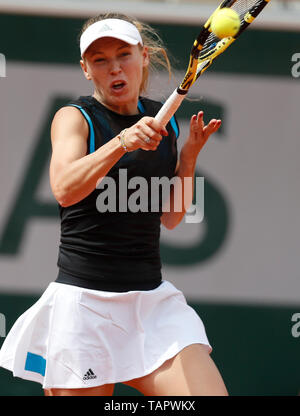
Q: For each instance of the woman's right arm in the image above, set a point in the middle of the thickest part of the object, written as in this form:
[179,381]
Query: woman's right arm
[73,173]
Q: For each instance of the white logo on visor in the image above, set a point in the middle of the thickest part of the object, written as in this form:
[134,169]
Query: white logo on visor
[105,28]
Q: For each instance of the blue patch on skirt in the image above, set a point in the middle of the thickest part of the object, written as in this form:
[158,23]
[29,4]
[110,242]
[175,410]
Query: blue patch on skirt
[35,363]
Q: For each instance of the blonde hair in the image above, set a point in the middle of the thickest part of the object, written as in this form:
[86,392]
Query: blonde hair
[158,55]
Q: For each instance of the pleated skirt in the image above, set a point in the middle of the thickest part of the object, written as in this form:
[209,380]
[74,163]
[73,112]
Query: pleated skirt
[77,338]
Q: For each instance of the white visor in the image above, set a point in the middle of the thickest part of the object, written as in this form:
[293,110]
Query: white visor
[113,28]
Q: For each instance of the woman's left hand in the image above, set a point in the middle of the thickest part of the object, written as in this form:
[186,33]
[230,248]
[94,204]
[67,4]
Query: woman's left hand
[199,134]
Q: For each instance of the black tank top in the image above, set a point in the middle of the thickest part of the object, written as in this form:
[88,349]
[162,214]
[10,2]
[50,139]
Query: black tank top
[116,251]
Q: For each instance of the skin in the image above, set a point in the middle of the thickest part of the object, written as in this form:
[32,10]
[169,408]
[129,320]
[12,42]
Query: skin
[109,60]
[74,175]
[191,372]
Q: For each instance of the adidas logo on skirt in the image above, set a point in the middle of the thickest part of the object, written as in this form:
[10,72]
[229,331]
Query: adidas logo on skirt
[89,375]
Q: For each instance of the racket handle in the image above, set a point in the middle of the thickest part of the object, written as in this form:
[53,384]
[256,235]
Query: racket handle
[170,107]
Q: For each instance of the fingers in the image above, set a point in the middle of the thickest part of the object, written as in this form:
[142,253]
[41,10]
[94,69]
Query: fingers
[146,132]
[197,122]
[199,134]
[212,127]
[197,125]
[149,133]
[152,128]
[148,144]
[156,125]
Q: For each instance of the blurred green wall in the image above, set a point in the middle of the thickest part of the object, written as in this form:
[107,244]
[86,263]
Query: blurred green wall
[253,345]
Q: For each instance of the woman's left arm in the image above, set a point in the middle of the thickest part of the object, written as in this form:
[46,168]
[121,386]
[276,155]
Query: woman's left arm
[181,194]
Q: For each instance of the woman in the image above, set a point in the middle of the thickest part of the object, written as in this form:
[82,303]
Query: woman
[109,317]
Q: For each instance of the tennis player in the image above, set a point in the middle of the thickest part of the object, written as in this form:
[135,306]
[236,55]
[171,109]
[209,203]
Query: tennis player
[109,317]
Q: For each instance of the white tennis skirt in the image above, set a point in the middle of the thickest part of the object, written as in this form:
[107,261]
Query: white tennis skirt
[78,338]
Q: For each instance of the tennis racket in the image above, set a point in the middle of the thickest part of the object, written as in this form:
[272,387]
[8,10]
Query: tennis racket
[205,50]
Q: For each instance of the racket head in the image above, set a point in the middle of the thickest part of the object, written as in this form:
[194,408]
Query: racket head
[208,46]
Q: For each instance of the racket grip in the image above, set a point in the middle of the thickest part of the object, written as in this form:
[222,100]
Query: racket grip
[170,107]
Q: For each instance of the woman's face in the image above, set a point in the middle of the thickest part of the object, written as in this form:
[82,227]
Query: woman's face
[116,69]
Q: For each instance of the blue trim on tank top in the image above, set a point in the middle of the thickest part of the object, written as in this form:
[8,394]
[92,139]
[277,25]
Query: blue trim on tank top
[92,132]
[141,107]
[174,126]
[172,121]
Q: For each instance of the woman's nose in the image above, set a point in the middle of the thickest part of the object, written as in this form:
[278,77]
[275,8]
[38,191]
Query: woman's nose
[115,67]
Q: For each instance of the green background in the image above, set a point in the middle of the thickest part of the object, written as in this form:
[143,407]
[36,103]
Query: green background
[253,345]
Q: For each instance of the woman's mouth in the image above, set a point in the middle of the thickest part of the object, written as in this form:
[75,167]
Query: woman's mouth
[118,85]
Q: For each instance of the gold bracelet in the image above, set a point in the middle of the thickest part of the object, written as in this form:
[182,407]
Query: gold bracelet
[122,141]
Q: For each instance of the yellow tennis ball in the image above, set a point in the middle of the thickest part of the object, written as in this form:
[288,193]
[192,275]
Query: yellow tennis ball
[225,22]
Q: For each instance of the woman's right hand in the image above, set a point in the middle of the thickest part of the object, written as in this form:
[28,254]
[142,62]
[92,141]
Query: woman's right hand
[146,134]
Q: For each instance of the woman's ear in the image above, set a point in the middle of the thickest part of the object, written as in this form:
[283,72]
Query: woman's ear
[146,59]
[84,68]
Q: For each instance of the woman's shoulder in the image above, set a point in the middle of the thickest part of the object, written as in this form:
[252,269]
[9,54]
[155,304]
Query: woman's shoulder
[68,115]
[84,101]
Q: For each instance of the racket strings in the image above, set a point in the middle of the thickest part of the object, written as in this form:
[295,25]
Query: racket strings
[241,7]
